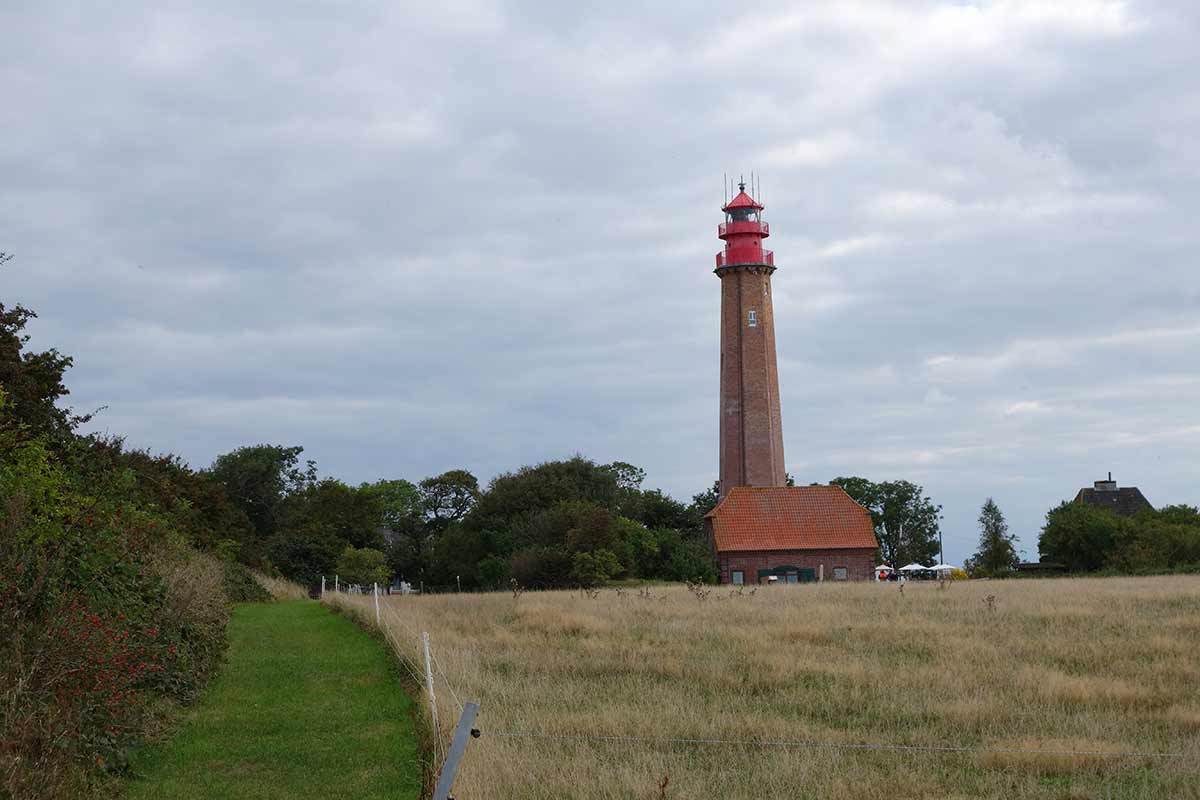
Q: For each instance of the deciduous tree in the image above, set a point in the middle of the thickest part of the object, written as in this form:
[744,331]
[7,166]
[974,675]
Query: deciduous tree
[258,477]
[627,476]
[906,521]
[449,497]
[331,508]
[513,496]
[32,381]
[400,504]
[1079,536]
[362,565]
[706,501]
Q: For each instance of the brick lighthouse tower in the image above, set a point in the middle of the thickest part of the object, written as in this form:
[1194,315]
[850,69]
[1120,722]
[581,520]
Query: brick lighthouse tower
[762,530]
[751,429]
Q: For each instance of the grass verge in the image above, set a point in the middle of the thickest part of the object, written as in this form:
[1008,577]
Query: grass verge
[308,705]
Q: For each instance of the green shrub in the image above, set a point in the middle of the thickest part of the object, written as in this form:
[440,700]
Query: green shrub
[590,569]
[363,566]
[105,611]
[493,572]
[1078,536]
[304,558]
[691,561]
[1086,538]
[540,568]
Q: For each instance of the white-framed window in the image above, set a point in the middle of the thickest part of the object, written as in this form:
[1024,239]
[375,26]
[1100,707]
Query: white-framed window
[841,574]
[737,577]
[752,318]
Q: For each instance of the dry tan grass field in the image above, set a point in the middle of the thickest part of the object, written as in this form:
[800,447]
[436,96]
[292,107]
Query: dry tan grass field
[1095,665]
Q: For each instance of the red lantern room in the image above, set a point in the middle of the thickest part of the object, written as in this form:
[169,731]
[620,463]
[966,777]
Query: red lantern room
[743,231]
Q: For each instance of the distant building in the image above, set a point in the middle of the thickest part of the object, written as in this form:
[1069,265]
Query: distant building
[761,528]
[1125,501]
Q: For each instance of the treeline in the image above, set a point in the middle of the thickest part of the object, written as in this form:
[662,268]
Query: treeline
[1087,538]
[561,523]
[1080,537]
[115,579]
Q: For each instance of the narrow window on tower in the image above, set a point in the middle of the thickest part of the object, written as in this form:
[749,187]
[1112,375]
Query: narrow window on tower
[752,319]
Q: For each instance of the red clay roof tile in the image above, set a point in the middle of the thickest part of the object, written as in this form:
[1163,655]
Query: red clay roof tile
[790,518]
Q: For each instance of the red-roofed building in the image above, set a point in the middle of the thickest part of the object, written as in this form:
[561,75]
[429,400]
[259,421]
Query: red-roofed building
[796,533]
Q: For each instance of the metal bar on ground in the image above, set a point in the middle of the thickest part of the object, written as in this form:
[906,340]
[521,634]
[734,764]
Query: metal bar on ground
[462,734]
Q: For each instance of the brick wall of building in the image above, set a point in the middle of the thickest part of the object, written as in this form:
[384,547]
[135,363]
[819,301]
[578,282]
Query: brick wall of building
[860,563]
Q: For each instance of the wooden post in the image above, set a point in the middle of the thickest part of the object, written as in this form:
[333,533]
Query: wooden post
[322,586]
[820,572]
[335,583]
[462,735]
[429,685]
[377,604]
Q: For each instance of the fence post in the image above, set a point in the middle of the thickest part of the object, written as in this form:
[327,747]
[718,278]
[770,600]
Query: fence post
[462,734]
[322,586]
[429,686]
[335,583]
[377,605]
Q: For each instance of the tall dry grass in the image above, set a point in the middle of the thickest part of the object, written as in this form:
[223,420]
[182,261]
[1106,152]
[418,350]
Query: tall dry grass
[280,588]
[1093,665]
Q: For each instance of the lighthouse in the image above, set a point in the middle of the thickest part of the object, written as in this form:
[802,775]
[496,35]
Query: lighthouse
[762,530]
[751,431]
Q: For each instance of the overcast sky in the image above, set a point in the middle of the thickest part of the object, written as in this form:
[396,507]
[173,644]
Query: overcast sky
[419,236]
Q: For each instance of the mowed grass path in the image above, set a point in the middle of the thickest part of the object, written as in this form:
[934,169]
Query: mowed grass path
[308,705]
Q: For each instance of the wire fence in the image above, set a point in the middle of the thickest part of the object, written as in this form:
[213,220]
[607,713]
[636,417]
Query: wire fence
[813,744]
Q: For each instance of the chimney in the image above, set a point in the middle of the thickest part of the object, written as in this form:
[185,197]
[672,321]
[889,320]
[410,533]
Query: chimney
[1106,486]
